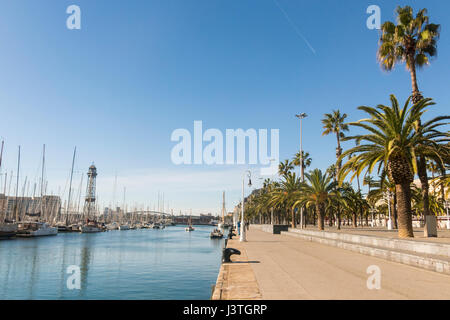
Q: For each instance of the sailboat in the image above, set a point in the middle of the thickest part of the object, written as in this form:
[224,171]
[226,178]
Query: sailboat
[34,228]
[189,228]
[8,229]
[221,224]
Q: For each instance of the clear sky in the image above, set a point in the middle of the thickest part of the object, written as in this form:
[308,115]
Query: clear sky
[138,70]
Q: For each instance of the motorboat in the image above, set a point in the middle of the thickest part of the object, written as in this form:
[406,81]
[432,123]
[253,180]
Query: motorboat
[36,229]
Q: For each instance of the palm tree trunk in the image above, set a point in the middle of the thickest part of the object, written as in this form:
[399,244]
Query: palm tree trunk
[338,217]
[354,221]
[405,229]
[293,218]
[320,217]
[416,96]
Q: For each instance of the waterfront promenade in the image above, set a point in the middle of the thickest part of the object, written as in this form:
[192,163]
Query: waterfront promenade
[286,267]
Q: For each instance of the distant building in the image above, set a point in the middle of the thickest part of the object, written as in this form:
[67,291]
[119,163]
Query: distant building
[49,206]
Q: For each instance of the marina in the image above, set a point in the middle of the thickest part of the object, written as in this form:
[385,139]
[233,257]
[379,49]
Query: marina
[136,264]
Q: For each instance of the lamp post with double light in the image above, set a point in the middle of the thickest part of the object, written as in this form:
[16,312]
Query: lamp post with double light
[301,116]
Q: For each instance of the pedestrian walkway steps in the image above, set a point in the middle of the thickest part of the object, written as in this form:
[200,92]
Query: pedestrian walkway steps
[430,256]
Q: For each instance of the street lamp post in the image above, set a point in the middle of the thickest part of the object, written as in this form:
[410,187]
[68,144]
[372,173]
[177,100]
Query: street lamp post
[447,205]
[301,116]
[247,173]
[387,197]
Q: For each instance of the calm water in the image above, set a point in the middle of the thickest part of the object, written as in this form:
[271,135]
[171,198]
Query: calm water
[132,264]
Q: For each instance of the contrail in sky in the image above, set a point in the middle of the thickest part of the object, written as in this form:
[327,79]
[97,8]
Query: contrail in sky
[296,29]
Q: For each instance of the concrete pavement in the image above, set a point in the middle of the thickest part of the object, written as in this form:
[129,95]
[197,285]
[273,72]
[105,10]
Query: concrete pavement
[285,267]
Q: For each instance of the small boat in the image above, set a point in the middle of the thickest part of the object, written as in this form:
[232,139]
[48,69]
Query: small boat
[189,228]
[8,230]
[112,226]
[216,234]
[91,226]
[156,226]
[124,227]
[73,228]
[36,229]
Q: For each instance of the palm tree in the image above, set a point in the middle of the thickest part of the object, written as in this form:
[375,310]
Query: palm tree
[412,41]
[392,143]
[354,202]
[286,194]
[284,168]
[316,192]
[334,123]
[306,161]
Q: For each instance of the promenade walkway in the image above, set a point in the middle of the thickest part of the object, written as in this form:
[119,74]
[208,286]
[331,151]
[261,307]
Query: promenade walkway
[285,267]
[443,234]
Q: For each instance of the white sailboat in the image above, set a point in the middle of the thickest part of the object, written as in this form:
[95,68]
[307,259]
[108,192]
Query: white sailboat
[221,224]
[35,228]
[189,228]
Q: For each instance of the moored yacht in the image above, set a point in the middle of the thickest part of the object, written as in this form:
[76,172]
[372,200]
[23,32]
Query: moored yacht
[36,229]
[91,226]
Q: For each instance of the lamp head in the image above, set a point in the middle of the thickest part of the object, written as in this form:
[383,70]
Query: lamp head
[301,115]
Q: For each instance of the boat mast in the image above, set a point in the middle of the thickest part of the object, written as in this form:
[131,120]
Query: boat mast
[70,186]
[223,207]
[17,187]
[1,157]
[42,181]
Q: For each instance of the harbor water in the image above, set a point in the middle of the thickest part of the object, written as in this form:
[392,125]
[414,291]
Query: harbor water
[133,264]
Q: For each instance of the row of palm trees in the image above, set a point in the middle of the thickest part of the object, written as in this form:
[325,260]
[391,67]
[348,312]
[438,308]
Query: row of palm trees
[394,141]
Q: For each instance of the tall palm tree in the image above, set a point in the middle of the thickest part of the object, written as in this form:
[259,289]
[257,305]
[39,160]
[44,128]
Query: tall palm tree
[316,192]
[307,160]
[334,123]
[392,143]
[413,40]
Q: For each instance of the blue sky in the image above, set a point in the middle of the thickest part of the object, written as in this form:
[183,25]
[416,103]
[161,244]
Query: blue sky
[137,70]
